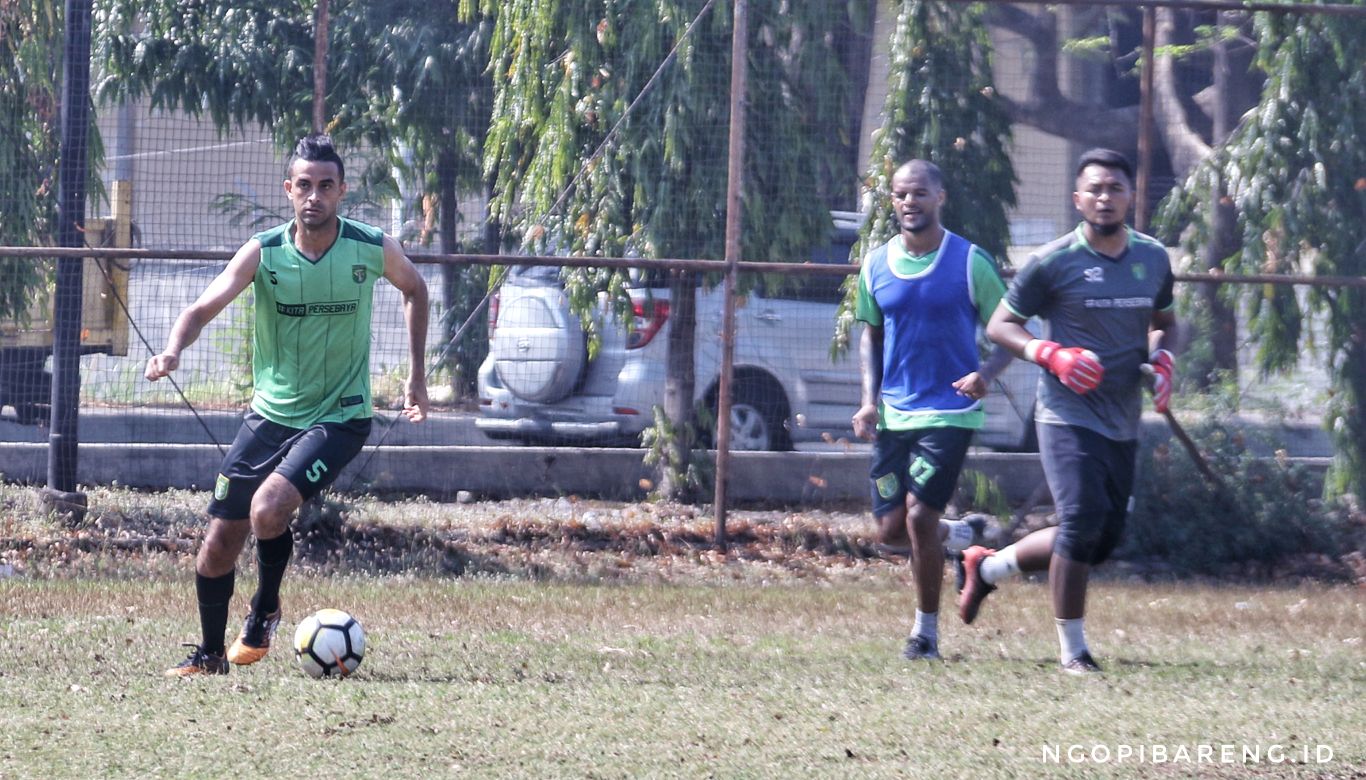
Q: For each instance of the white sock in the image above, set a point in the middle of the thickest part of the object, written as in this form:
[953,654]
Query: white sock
[926,625]
[959,537]
[999,565]
[1071,637]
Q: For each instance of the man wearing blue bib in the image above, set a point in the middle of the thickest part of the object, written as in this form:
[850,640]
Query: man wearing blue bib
[922,296]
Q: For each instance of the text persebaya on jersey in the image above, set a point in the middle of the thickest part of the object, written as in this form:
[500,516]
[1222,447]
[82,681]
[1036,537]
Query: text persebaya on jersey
[1117,303]
[315,309]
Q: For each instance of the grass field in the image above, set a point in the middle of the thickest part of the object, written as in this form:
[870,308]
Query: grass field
[751,675]
[587,639]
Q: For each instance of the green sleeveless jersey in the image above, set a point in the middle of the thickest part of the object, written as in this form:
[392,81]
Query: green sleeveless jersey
[311,346]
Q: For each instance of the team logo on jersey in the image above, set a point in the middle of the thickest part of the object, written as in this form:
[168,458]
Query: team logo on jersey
[220,487]
[358,273]
[1140,271]
[1095,274]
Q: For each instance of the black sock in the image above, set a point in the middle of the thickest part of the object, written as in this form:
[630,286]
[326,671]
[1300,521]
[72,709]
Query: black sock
[214,595]
[272,556]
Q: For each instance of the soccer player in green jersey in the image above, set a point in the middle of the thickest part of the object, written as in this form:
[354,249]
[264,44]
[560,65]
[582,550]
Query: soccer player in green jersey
[312,280]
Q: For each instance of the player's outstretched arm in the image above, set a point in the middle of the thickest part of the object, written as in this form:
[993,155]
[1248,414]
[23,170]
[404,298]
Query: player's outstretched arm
[233,279]
[403,275]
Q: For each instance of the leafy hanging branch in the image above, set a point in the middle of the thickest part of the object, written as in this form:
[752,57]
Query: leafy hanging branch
[565,74]
[406,80]
[1293,169]
[942,107]
[31,40]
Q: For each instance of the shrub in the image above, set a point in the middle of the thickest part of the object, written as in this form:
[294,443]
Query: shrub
[1270,514]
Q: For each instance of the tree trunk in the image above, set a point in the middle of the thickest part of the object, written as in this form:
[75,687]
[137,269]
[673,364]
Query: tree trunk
[1348,474]
[1185,148]
[493,229]
[461,386]
[1223,321]
[1044,106]
[1223,235]
[679,386]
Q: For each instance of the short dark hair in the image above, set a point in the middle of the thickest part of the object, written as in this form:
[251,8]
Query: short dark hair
[316,147]
[1105,158]
[931,170]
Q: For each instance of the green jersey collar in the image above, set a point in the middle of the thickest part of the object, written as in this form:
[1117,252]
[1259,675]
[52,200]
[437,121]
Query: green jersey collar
[1080,235]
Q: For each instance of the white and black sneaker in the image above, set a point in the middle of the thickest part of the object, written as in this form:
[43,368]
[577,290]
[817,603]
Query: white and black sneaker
[921,648]
[1082,665]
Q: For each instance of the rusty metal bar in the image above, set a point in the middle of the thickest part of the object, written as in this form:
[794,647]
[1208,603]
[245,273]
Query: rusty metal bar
[320,67]
[735,172]
[706,266]
[1326,9]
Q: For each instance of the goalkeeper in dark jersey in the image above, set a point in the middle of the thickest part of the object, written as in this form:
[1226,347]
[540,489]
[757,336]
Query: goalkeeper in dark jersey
[312,279]
[1104,292]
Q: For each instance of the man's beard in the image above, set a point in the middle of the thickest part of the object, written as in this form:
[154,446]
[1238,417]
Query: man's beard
[1107,230]
[917,224]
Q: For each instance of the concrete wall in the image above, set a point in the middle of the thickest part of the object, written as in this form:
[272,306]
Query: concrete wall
[502,472]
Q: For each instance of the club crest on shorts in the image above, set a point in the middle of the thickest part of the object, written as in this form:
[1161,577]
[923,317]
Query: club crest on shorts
[220,487]
[358,273]
[886,485]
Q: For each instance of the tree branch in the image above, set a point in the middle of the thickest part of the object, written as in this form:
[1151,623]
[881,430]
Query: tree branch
[1184,145]
[1044,107]
[1116,128]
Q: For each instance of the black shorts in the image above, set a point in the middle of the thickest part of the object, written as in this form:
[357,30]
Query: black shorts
[310,458]
[1091,477]
[925,461]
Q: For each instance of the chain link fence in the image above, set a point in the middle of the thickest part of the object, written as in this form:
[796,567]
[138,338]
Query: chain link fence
[183,170]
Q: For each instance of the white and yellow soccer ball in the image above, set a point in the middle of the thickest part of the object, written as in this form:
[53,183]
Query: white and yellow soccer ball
[329,643]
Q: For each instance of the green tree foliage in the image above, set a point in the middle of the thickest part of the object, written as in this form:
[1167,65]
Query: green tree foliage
[576,172]
[1294,169]
[941,106]
[565,73]
[31,41]
[405,80]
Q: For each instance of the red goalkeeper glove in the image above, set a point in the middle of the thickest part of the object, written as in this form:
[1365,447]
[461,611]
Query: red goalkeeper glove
[1078,369]
[1163,366]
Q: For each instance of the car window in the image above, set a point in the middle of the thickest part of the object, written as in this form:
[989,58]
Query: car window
[812,288]
[807,289]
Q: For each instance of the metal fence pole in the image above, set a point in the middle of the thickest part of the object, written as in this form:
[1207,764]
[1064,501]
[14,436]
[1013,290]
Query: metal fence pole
[66,335]
[1145,119]
[734,181]
[320,67]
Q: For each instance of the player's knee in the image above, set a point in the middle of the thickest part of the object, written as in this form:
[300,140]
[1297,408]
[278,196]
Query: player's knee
[275,501]
[1110,536]
[1079,537]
